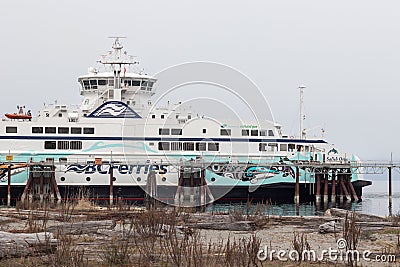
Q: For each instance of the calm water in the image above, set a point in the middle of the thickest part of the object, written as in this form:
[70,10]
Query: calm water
[374,201]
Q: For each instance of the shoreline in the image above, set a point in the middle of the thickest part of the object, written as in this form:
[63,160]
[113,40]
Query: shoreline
[157,237]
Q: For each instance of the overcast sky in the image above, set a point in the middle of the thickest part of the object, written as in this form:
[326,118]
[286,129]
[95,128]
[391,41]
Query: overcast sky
[345,52]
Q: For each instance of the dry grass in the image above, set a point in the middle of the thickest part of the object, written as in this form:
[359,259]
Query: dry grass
[155,237]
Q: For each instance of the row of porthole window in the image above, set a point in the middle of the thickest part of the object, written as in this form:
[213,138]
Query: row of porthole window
[52,130]
[273,147]
[246,132]
[88,179]
[188,146]
[63,130]
[223,132]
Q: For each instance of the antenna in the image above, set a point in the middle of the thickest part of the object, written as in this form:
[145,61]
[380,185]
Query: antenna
[302,133]
[117,60]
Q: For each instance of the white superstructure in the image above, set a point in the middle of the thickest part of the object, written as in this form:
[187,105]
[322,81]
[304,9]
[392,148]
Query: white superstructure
[116,122]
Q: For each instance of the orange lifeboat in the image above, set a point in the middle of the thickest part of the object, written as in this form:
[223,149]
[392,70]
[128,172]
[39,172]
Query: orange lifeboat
[16,116]
[20,115]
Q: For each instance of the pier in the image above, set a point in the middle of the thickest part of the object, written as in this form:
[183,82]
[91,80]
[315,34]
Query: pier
[329,183]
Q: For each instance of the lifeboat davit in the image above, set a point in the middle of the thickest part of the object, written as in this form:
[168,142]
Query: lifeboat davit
[16,116]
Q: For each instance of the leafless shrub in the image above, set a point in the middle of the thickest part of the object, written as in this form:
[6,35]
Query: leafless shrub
[351,233]
[147,228]
[67,254]
[237,215]
[242,252]
[117,253]
[37,223]
[300,243]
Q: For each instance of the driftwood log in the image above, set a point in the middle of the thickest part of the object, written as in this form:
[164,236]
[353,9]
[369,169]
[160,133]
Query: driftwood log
[330,227]
[84,227]
[21,245]
[358,216]
[230,226]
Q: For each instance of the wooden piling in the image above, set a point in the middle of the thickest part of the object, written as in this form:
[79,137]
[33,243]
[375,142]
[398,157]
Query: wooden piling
[9,186]
[191,189]
[326,186]
[41,183]
[333,191]
[111,185]
[151,190]
[345,191]
[352,190]
[203,196]
[318,193]
[341,197]
[297,187]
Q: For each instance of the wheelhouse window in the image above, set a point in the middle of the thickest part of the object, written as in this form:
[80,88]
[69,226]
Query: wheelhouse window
[163,131]
[37,129]
[88,130]
[11,129]
[135,83]
[225,132]
[163,146]
[144,85]
[213,146]
[126,82]
[149,86]
[176,131]
[76,130]
[201,146]
[85,84]
[63,130]
[93,84]
[102,82]
[50,130]
[76,145]
[50,145]
[245,132]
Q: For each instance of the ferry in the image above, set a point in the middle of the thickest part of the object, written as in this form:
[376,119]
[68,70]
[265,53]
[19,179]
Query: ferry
[117,130]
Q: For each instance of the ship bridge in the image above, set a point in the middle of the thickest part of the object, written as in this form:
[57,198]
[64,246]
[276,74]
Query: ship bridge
[118,83]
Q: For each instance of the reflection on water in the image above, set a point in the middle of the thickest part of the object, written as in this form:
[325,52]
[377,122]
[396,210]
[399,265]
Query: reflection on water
[372,203]
[375,201]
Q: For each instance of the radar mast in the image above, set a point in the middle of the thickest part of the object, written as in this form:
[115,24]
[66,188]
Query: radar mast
[117,60]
